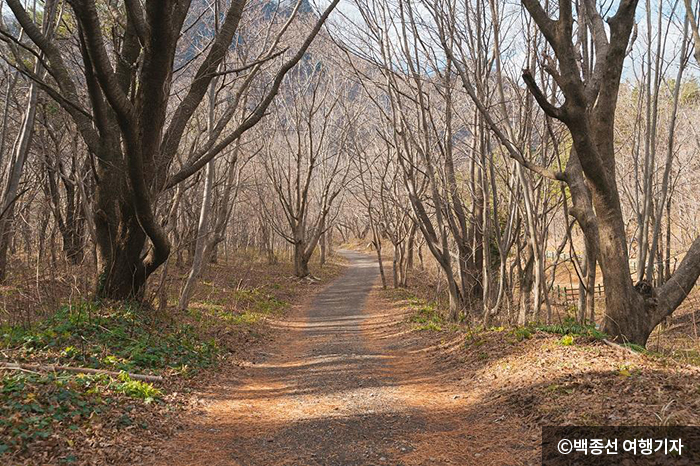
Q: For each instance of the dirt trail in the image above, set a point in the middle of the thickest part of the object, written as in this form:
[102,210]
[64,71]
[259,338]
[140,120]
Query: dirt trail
[345,384]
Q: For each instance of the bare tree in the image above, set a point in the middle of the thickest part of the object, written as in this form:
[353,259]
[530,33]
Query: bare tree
[306,161]
[126,122]
[588,111]
[25,135]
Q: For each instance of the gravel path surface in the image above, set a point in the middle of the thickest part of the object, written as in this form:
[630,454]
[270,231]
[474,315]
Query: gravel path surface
[345,384]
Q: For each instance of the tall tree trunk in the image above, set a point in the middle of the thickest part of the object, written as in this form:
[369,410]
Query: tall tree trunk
[395,266]
[19,157]
[204,214]
[323,249]
[411,246]
[659,214]
[202,239]
[526,281]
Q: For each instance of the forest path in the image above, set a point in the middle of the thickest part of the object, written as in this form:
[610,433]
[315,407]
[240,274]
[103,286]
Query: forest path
[345,384]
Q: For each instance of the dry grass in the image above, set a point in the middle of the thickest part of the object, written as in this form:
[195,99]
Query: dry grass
[575,379]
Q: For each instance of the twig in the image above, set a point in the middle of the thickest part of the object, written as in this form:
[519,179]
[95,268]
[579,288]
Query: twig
[620,347]
[81,370]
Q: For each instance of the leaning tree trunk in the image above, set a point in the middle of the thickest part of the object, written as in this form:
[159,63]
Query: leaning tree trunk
[20,153]
[204,215]
[377,242]
[202,238]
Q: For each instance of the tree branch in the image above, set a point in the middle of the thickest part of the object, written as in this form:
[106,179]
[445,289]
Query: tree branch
[86,13]
[58,70]
[553,111]
[204,75]
[259,111]
[135,14]
[546,24]
[679,286]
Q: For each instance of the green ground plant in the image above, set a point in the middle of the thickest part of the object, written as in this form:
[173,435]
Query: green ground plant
[110,337]
[117,338]
[427,317]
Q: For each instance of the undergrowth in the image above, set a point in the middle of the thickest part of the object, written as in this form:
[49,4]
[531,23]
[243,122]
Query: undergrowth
[52,412]
[570,330]
[32,406]
[35,406]
[571,327]
[242,307]
[120,337]
[117,338]
[256,300]
[427,317]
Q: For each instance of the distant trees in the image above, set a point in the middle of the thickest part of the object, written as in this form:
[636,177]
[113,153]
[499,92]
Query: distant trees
[305,155]
[449,165]
[25,135]
[446,83]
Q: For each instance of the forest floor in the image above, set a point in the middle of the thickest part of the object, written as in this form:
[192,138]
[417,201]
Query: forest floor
[365,376]
[57,417]
[337,373]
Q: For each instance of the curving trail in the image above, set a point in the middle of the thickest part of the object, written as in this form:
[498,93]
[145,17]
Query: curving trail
[345,384]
